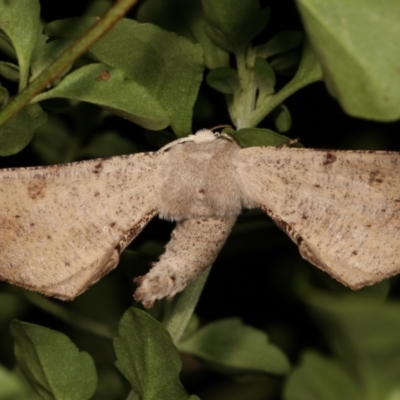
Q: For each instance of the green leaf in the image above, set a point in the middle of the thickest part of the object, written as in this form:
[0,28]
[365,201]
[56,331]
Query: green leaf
[282,118]
[282,42]
[249,137]
[9,71]
[224,80]
[320,378]
[364,334]
[52,364]
[231,344]
[167,66]
[265,78]
[108,87]
[18,131]
[10,385]
[233,23]
[186,18]
[147,357]
[48,54]
[286,63]
[358,45]
[20,20]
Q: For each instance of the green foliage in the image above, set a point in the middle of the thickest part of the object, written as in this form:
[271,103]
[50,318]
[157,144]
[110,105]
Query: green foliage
[52,364]
[164,84]
[18,132]
[147,357]
[363,334]
[358,46]
[232,346]
[21,26]
[150,72]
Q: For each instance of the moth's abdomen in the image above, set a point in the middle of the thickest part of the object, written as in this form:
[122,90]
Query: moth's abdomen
[194,245]
[199,180]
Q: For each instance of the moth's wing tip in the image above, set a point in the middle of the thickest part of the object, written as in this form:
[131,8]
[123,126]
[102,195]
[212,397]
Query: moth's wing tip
[345,274]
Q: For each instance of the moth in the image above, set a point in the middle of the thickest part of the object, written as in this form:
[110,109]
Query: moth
[63,227]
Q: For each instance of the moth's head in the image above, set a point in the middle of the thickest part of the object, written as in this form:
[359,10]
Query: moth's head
[201,136]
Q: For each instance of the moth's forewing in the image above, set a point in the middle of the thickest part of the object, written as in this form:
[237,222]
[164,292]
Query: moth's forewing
[63,227]
[342,208]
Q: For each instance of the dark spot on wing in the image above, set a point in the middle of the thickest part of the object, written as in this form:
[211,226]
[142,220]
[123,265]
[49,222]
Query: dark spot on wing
[98,167]
[36,189]
[329,158]
[376,177]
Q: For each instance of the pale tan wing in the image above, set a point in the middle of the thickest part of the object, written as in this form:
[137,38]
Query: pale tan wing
[342,208]
[63,227]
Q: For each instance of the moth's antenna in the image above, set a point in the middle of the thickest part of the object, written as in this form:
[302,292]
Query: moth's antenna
[220,126]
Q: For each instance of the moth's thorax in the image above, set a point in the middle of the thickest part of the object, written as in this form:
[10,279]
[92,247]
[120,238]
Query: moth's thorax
[199,180]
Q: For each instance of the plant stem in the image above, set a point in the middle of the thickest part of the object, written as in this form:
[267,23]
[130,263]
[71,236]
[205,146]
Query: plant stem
[245,102]
[309,71]
[69,316]
[273,101]
[185,306]
[80,46]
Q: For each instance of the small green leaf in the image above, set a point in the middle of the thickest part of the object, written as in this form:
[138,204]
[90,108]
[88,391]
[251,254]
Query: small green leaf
[147,357]
[167,66]
[52,364]
[320,378]
[9,71]
[358,45]
[20,20]
[224,80]
[286,63]
[233,24]
[282,118]
[282,42]
[108,87]
[18,131]
[231,344]
[265,78]
[186,18]
[249,137]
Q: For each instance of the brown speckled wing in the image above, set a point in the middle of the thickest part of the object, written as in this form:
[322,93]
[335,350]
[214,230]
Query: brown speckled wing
[64,227]
[342,208]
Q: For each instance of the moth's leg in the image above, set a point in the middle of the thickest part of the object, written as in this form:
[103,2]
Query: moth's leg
[194,245]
